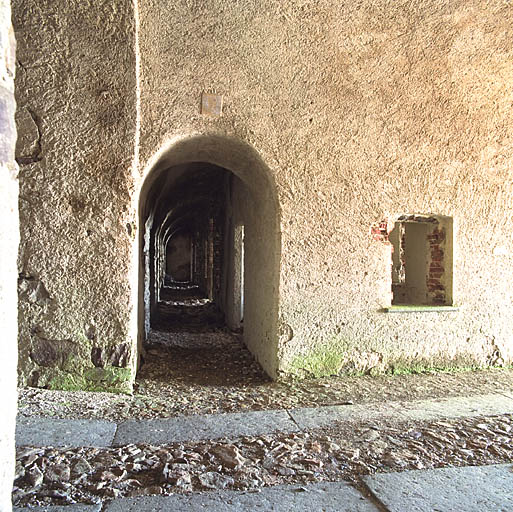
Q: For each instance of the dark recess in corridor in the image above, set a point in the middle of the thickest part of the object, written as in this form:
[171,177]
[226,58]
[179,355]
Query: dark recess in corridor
[192,235]
[193,262]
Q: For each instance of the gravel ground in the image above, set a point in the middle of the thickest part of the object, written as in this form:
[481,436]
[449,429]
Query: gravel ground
[208,372]
[344,452]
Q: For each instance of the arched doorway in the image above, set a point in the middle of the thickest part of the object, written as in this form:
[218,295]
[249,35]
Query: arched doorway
[209,237]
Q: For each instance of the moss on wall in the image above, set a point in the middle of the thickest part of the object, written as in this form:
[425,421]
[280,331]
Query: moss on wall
[319,363]
[461,363]
[77,374]
[110,379]
[342,359]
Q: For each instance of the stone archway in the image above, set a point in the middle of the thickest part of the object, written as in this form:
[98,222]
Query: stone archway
[181,182]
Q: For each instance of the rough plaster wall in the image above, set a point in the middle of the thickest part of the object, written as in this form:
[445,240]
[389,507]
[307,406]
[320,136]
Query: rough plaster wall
[76,91]
[362,111]
[9,238]
[259,331]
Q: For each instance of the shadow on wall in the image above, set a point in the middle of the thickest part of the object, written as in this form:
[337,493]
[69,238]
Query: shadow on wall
[180,254]
[214,188]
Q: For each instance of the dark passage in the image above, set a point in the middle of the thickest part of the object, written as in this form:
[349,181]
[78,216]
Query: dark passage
[191,254]
[193,257]
[184,307]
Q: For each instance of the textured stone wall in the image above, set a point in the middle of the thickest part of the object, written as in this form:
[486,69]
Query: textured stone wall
[337,117]
[9,237]
[76,94]
[362,111]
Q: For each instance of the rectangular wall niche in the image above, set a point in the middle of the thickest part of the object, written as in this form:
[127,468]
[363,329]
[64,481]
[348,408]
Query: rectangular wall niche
[422,250]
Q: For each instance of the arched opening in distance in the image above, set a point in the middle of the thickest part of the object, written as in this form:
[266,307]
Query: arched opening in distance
[209,246]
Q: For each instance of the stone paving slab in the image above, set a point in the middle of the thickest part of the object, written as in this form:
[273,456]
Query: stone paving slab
[61,508]
[197,428]
[457,407]
[507,392]
[317,417]
[469,489]
[326,497]
[419,410]
[61,432]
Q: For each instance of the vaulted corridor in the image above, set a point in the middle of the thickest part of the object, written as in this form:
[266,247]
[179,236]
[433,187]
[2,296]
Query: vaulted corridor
[208,259]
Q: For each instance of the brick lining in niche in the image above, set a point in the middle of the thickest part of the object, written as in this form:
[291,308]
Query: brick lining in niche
[379,231]
[435,287]
[402,254]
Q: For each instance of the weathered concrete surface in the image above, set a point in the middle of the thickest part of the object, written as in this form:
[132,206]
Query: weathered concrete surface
[76,94]
[9,238]
[195,428]
[472,489]
[63,508]
[61,432]
[328,497]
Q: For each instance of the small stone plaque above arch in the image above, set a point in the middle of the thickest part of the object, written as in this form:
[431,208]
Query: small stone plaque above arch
[211,104]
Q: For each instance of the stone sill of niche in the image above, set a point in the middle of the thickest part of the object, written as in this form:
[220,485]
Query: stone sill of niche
[406,308]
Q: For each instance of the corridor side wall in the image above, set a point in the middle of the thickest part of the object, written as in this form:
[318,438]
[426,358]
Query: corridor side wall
[76,94]
[259,326]
[363,111]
